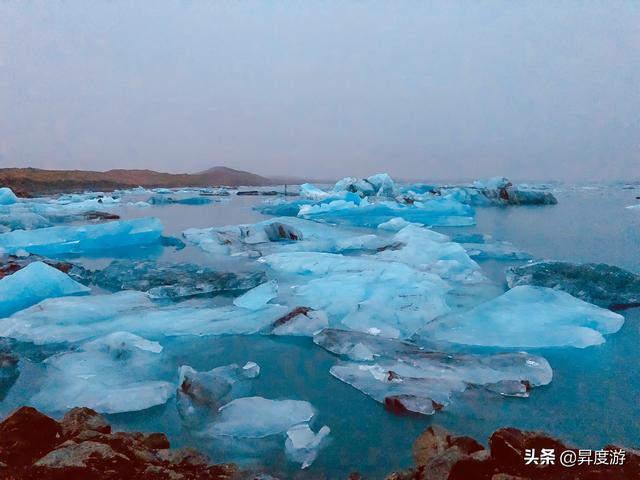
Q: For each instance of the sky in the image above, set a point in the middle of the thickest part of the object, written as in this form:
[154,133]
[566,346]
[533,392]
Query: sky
[534,90]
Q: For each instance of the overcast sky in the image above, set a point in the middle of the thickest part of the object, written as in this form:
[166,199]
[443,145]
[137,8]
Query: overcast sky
[424,90]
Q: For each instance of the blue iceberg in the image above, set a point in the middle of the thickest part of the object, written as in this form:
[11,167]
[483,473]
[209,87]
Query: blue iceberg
[34,283]
[7,197]
[77,239]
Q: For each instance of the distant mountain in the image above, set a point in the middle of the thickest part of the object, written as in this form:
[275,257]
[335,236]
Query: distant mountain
[35,181]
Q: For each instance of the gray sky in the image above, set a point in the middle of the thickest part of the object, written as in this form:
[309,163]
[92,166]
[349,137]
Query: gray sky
[532,90]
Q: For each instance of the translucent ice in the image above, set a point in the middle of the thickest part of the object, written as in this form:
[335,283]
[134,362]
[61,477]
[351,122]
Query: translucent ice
[380,185]
[34,283]
[396,224]
[604,285]
[203,393]
[257,417]
[406,377]
[257,297]
[302,444]
[527,316]
[78,318]
[76,239]
[308,190]
[364,293]
[162,199]
[435,212]
[7,197]
[112,374]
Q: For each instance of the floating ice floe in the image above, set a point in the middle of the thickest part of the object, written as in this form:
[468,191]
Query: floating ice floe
[164,199]
[258,417]
[527,316]
[405,377]
[175,281]
[111,374]
[257,297]
[442,212]
[312,192]
[302,444]
[363,293]
[604,285]
[483,247]
[72,319]
[34,283]
[396,224]
[379,185]
[77,239]
[201,394]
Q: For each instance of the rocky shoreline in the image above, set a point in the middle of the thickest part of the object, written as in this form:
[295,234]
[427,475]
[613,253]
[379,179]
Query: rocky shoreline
[83,446]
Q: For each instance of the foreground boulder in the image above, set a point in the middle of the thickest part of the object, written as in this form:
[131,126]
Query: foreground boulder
[35,446]
[514,455]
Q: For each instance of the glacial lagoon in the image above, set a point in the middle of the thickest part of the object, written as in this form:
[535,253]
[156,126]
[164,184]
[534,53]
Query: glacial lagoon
[408,282]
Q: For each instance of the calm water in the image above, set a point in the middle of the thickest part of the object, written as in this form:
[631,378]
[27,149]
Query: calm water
[592,401]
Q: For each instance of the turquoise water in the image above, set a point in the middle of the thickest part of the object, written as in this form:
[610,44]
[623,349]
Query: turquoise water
[592,400]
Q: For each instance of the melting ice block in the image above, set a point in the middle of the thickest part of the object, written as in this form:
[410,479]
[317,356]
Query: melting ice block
[34,283]
[302,444]
[405,377]
[257,297]
[77,239]
[527,316]
[7,197]
[112,374]
[603,285]
[257,417]
[202,393]
[364,293]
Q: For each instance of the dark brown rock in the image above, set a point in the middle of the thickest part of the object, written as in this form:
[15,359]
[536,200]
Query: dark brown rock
[80,419]
[183,456]
[27,435]
[156,441]
[436,440]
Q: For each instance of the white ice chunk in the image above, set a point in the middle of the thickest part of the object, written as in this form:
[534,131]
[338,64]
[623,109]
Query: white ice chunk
[528,316]
[257,297]
[302,444]
[34,283]
[396,224]
[258,417]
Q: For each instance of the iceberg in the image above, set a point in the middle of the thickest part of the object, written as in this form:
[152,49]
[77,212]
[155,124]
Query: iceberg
[112,374]
[441,212]
[163,199]
[405,377]
[396,224]
[34,283]
[78,239]
[301,321]
[257,297]
[7,197]
[380,185]
[604,285]
[258,417]
[528,317]
[312,192]
[173,281]
[362,293]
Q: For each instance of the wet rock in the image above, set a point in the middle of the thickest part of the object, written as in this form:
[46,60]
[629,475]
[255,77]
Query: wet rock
[80,419]
[156,441]
[435,441]
[86,458]
[183,456]
[27,435]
